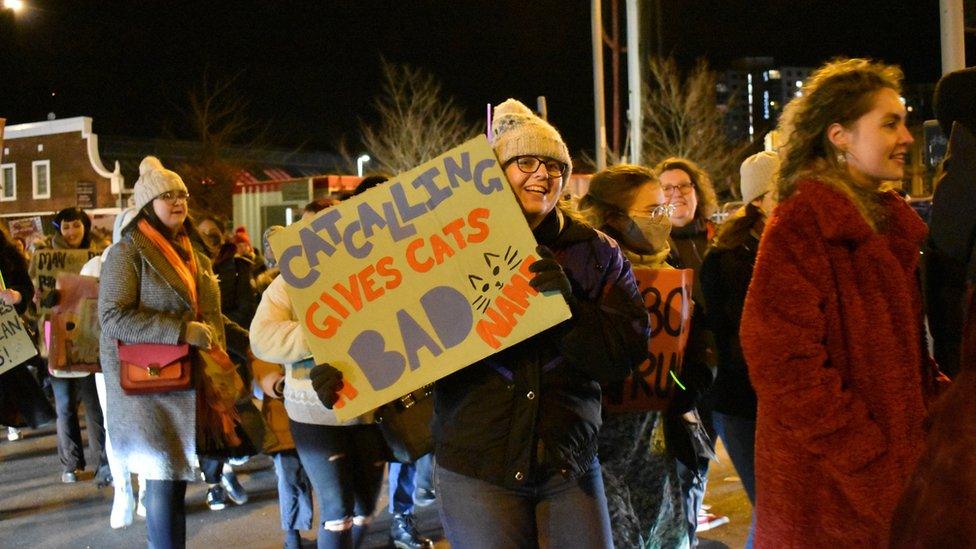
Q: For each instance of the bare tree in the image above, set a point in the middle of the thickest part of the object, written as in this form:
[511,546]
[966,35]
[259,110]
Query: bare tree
[683,118]
[217,117]
[416,122]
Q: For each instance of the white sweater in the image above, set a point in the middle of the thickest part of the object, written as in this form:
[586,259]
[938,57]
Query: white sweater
[276,336]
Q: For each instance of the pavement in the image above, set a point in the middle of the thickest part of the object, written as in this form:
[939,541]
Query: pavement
[37,510]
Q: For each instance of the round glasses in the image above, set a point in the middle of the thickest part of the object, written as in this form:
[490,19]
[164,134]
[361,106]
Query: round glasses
[529,164]
[661,210]
[683,188]
[171,197]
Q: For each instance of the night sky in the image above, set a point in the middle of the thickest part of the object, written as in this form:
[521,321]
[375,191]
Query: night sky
[311,69]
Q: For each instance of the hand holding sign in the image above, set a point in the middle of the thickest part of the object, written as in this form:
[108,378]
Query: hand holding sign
[327,382]
[549,275]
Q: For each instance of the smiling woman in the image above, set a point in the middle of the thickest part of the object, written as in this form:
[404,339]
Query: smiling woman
[831,330]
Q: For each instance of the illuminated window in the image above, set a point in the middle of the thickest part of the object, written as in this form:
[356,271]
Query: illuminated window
[8,182]
[41,170]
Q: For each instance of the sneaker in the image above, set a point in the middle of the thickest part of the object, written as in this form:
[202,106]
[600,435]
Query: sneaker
[707,521]
[216,498]
[233,488]
[404,535]
[422,497]
[13,434]
[69,477]
[238,460]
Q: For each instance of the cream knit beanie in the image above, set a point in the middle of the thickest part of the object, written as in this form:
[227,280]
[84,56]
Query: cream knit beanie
[154,180]
[517,131]
[757,175]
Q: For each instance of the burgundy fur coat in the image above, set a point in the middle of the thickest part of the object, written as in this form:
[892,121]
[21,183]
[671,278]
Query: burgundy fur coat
[831,333]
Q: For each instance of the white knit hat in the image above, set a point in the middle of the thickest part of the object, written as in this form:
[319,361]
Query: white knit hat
[154,180]
[758,174]
[517,131]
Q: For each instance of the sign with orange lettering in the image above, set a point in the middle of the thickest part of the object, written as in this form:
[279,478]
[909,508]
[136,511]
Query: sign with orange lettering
[416,278]
[667,298]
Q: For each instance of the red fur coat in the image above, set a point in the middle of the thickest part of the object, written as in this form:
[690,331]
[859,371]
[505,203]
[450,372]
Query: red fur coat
[831,333]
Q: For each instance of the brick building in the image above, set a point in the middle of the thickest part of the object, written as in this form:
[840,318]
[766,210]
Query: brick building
[50,165]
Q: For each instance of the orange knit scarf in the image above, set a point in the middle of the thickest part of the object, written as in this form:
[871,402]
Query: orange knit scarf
[186,270]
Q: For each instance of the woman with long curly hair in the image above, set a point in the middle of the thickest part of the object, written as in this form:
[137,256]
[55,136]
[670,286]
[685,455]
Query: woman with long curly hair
[832,325]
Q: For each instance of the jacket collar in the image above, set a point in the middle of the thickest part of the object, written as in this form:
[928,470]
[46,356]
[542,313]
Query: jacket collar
[158,262]
[839,219]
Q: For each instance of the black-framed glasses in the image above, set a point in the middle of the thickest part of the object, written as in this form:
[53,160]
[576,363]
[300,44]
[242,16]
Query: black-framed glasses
[529,164]
[171,197]
[683,188]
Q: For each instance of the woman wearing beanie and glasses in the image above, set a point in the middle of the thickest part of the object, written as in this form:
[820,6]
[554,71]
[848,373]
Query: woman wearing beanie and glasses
[516,434]
[155,288]
[832,326]
[725,276]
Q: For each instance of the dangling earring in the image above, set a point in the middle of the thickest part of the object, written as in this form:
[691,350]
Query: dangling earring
[842,158]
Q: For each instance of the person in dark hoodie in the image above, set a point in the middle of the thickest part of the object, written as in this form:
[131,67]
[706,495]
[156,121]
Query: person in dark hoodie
[515,434]
[928,514]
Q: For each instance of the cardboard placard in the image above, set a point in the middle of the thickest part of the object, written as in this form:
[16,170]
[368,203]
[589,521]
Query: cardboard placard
[47,264]
[667,298]
[16,346]
[415,278]
[75,327]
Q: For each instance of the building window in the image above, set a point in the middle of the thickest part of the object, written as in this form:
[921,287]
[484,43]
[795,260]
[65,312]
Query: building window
[8,181]
[42,178]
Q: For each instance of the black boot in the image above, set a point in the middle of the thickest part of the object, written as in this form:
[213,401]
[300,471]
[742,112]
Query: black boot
[404,535]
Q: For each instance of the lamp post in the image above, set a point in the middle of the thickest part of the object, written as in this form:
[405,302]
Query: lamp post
[364,158]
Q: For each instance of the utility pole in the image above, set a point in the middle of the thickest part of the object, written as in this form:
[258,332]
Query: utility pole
[953,35]
[599,109]
[634,80]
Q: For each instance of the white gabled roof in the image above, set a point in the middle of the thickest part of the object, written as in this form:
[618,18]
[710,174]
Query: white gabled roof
[50,127]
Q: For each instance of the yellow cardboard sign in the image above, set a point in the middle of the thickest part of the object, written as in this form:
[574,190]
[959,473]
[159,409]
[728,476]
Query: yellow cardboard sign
[46,264]
[415,278]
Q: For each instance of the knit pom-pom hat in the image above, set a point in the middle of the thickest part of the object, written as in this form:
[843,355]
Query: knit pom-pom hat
[757,175]
[517,131]
[155,180]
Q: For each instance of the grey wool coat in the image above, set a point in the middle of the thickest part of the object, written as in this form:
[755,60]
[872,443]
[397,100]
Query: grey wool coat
[141,299]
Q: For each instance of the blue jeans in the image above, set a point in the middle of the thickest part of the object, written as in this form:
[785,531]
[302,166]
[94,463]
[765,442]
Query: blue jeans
[739,436]
[345,466]
[294,492]
[166,513]
[404,478]
[553,513]
[69,393]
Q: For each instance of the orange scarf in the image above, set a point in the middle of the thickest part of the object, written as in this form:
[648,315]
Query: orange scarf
[186,270]
[221,384]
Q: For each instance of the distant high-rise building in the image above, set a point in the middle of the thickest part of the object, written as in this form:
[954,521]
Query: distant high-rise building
[756,90]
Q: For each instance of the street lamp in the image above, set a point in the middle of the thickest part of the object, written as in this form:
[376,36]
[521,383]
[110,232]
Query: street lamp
[14,5]
[359,163]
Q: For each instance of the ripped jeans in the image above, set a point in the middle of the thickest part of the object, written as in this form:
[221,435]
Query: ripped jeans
[345,465]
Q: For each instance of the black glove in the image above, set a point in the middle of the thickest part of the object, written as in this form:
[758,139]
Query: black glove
[326,380]
[549,275]
[51,299]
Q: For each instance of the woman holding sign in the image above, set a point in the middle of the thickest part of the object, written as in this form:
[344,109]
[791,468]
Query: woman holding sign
[628,203]
[515,434]
[832,326]
[159,303]
[74,387]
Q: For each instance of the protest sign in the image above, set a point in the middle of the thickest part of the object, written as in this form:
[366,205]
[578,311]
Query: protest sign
[15,343]
[75,327]
[667,298]
[416,278]
[46,264]
[27,228]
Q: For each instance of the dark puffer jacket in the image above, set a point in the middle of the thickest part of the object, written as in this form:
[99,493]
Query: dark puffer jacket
[534,409]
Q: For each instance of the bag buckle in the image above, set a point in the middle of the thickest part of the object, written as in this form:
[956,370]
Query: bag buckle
[408,401]
[154,370]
